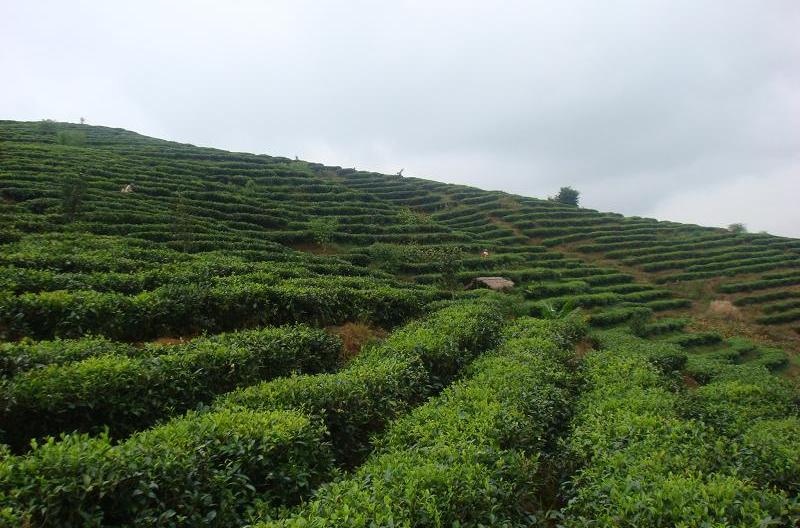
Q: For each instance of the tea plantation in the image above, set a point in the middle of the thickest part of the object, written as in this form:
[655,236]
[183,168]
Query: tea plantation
[195,337]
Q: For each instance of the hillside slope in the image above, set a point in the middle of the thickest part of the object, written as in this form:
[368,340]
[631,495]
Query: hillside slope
[172,322]
[193,203]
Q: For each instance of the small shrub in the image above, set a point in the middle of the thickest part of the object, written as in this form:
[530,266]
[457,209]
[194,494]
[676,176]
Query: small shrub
[323,229]
[73,189]
[71,138]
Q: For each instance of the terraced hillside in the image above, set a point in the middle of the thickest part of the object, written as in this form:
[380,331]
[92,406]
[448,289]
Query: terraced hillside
[172,321]
[706,269]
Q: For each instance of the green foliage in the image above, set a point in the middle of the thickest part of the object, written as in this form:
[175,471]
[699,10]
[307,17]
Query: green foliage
[739,395]
[637,322]
[557,307]
[664,325]
[171,309]
[385,381]
[73,189]
[323,230]
[72,138]
[737,228]
[408,216]
[129,393]
[47,127]
[354,403]
[466,458]
[640,463]
[391,257]
[766,297]
[204,245]
[635,316]
[211,466]
[448,260]
[567,196]
[696,339]
[201,470]
[781,317]
[540,290]
[742,360]
[184,226]
[761,284]
[566,310]
[769,453]
[668,304]
[28,355]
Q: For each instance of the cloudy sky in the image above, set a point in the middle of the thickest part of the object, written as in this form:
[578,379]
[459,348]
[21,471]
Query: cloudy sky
[686,110]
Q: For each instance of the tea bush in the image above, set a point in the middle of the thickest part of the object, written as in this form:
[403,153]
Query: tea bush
[173,309]
[384,382]
[466,458]
[201,470]
[126,394]
[640,463]
[28,355]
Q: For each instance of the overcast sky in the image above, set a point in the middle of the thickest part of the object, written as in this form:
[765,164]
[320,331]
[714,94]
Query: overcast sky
[682,110]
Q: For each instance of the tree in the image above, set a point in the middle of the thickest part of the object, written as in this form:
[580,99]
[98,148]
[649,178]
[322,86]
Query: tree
[449,261]
[737,228]
[48,127]
[323,229]
[637,323]
[566,195]
[73,187]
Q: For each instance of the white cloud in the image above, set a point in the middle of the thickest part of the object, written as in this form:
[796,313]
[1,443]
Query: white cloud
[764,203]
[640,105]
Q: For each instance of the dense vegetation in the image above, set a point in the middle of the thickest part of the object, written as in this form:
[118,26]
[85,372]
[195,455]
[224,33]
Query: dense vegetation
[178,348]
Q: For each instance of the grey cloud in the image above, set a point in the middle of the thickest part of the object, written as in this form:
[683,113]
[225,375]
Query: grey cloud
[664,108]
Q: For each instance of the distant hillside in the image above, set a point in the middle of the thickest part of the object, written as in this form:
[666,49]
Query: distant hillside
[188,201]
[194,337]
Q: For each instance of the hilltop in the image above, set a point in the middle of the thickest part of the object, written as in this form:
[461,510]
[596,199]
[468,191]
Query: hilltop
[155,294]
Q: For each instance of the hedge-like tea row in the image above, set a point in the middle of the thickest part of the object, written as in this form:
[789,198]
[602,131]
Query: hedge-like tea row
[204,269]
[640,463]
[780,307]
[769,454]
[589,300]
[468,457]
[208,469]
[384,382]
[780,318]
[731,270]
[737,395]
[761,284]
[178,309]
[766,297]
[129,393]
[664,326]
[543,290]
[708,257]
[710,365]
[696,339]
[668,304]
[618,315]
[200,470]
[27,355]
